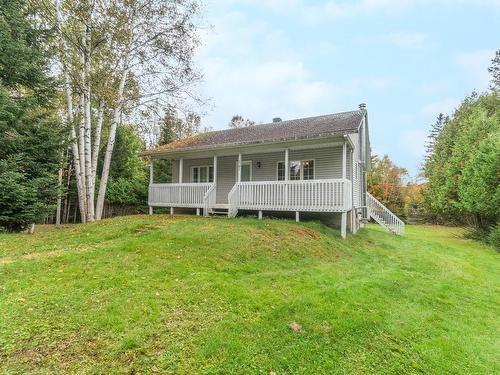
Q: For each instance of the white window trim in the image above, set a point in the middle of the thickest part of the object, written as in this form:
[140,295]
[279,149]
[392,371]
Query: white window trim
[301,169]
[245,162]
[199,174]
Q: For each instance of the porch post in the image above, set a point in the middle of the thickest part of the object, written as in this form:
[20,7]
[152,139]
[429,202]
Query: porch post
[287,175]
[353,211]
[240,158]
[150,183]
[215,169]
[344,160]
[287,166]
[181,166]
[343,222]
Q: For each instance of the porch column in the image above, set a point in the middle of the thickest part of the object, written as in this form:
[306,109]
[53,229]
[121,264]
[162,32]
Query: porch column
[150,183]
[181,166]
[344,160]
[287,165]
[353,212]
[287,175]
[215,169]
[240,158]
[343,222]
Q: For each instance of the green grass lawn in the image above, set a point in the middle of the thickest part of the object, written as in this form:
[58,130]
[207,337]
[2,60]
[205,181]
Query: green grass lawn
[137,295]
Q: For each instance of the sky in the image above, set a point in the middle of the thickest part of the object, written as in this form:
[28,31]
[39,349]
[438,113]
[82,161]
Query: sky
[408,60]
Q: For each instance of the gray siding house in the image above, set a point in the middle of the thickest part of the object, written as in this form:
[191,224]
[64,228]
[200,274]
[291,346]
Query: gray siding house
[313,166]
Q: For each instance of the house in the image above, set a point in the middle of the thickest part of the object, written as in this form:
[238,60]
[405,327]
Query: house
[244,170]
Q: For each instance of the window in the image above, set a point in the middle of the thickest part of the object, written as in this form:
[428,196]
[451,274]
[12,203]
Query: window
[295,170]
[281,171]
[299,170]
[308,170]
[202,174]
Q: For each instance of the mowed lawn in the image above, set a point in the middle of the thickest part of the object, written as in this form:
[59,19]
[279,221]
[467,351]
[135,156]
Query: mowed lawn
[189,295]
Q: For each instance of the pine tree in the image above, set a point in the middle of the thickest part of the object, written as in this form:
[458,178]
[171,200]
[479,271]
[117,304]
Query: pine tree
[436,129]
[494,70]
[30,135]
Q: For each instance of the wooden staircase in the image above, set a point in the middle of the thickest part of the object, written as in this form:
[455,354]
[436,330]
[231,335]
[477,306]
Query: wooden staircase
[219,210]
[383,216]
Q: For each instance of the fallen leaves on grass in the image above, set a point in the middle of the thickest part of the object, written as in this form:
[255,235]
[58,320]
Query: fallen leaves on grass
[296,327]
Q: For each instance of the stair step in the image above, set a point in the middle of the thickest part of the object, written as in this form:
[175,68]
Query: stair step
[218,213]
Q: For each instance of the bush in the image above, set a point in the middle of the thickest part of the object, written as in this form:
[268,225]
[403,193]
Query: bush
[493,237]
[19,205]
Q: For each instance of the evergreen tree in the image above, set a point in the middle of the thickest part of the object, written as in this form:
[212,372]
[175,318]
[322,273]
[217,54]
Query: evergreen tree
[30,135]
[494,70]
[436,129]
[463,172]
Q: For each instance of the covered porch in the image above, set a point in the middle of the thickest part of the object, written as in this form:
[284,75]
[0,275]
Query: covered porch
[318,179]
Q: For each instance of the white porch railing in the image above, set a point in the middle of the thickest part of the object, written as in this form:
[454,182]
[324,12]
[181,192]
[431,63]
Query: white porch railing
[209,199]
[332,195]
[384,216]
[178,195]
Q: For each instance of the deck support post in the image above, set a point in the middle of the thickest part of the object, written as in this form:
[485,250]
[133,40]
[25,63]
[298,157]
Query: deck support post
[197,212]
[297,216]
[260,214]
[150,183]
[343,225]
[181,167]
[171,210]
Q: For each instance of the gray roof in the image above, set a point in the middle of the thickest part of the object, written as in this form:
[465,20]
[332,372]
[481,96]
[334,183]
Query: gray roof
[310,127]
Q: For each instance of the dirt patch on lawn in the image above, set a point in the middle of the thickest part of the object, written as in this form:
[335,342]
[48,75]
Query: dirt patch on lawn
[305,232]
[43,254]
[66,351]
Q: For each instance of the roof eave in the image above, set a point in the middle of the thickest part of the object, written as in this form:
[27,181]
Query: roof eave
[246,144]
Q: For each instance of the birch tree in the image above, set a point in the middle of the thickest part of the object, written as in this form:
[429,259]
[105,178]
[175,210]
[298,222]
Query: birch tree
[115,58]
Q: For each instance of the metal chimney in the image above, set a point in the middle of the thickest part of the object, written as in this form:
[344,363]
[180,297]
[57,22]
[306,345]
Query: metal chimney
[362,106]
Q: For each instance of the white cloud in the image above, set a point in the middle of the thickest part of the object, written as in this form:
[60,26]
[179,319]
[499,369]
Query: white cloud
[475,66]
[413,142]
[252,69]
[408,39]
[446,106]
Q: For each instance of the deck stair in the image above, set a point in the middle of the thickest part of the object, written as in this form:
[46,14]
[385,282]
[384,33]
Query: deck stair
[383,216]
[219,212]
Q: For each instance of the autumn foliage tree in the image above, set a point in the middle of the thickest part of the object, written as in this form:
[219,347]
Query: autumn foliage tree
[386,183]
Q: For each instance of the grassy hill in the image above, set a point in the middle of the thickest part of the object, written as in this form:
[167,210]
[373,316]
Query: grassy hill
[194,295]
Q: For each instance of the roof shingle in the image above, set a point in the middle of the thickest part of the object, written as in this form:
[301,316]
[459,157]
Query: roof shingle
[310,127]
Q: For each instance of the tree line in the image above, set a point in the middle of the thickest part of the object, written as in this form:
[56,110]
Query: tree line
[78,79]
[460,179]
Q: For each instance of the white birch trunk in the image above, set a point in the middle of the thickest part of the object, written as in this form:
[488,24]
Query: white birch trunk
[70,117]
[109,147]
[81,128]
[87,121]
[59,199]
[96,146]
